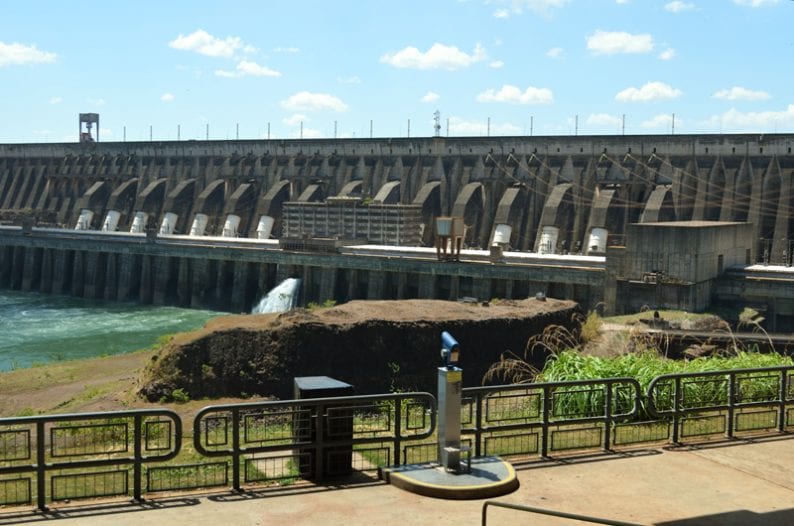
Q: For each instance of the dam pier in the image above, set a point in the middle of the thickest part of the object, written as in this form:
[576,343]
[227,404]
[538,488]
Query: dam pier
[219,223]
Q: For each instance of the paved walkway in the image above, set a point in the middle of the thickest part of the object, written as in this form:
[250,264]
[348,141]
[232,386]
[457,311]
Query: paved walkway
[733,483]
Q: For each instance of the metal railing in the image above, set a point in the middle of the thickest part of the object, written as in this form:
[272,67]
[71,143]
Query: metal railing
[549,513]
[70,451]
[716,402]
[543,417]
[53,458]
[313,438]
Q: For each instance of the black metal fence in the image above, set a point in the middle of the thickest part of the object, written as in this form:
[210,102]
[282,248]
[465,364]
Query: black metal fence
[64,457]
[53,458]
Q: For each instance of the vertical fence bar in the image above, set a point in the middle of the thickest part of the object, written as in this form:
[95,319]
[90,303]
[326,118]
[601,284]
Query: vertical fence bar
[607,416]
[676,407]
[41,467]
[138,459]
[783,391]
[731,409]
[319,440]
[397,429]
[544,429]
[478,399]
[236,449]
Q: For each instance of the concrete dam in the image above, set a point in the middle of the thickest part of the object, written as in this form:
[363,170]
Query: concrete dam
[218,223]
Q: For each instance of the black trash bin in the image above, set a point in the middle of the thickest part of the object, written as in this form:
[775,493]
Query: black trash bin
[337,426]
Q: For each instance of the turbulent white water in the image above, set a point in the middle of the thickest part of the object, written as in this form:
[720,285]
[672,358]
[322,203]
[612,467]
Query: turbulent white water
[39,328]
[282,298]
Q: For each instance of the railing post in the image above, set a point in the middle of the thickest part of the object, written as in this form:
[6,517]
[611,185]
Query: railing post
[41,467]
[608,416]
[544,429]
[781,421]
[138,458]
[397,429]
[478,400]
[319,450]
[236,449]
[731,398]
[677,395]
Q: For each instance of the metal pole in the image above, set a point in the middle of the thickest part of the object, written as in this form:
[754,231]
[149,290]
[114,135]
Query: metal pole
[125,134]
[150,133]
[409,128]
[301,129]
[208,131]
[370,128]
[334,129]
[623,127]
[178,131]
[531,124]
[673,127]
[447,126]
[488,131]
[576,125]
[238,131]
[268,131]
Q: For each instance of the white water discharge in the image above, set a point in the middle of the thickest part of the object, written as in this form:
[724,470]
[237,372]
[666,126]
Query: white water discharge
[281,298]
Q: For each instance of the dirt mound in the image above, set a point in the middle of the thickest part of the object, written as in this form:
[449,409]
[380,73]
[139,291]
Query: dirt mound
[374,345]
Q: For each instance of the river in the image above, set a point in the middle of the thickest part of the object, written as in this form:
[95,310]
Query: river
[39,328]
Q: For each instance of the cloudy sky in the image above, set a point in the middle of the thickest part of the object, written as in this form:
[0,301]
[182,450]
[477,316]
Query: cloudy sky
[351,68]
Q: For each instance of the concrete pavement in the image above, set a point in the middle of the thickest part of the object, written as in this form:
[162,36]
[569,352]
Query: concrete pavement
[743,483]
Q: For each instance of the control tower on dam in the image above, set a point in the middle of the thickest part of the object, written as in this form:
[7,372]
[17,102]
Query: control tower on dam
[543,195]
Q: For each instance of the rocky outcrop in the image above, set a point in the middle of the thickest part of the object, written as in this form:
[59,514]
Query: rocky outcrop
[376,346]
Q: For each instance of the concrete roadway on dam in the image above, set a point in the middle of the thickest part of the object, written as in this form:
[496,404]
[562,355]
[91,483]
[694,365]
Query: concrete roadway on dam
[736,483]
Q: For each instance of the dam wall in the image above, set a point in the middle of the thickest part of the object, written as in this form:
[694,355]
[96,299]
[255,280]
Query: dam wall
[579,188]
[233,275]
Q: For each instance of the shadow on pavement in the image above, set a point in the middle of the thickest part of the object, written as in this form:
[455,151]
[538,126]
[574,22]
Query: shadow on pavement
[737,518]
[93,510]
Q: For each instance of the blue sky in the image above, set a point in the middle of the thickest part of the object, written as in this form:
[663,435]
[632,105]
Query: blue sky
[540,66]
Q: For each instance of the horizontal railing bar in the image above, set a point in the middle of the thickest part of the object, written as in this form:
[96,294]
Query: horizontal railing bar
[551,513]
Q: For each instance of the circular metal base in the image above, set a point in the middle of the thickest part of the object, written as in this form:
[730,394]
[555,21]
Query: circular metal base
[489,477]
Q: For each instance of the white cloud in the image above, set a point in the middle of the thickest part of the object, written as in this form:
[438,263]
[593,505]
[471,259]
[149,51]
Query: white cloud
[754,120]
[663,120]
[517,7]
[458,126]
[247,68]
[739,93]
[667,54]
[755,3]
[167,97]
[677,6]
[649,92]
[349,80]
[295,120]
[307,101]
[430,96]
[286,49]
[603,119]
[614,42]
[514,95]
[96,102]
[203,43]
[56,100]
[439,56]
[496,64]
[16,54]
[555,52]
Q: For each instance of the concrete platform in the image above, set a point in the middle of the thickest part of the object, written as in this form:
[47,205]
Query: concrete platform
[489,477]
[733,483]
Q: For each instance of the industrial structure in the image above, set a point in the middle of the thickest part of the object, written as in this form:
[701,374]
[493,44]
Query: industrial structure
[355,218]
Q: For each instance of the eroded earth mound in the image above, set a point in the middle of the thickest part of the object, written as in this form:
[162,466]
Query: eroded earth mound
[376,346]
